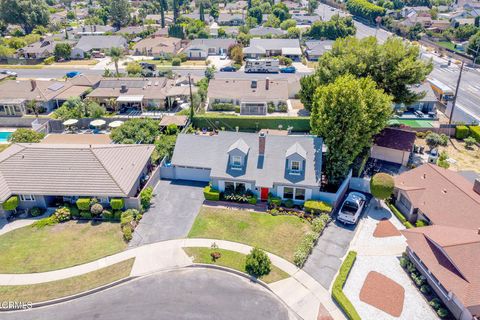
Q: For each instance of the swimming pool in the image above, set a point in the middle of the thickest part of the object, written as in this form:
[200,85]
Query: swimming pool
[4,136]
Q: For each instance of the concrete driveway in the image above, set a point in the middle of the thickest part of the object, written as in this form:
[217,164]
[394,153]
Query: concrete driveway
[173,211]
[190,294]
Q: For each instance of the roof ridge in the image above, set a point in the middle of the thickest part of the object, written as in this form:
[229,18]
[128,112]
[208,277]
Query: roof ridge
[107,171]
[14,144]
[443,175]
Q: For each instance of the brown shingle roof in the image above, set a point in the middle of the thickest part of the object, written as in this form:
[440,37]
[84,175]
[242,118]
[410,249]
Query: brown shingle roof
[398,139]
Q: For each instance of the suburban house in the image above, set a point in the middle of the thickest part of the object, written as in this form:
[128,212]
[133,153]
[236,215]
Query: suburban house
[251,96]
[305,19]
[141,94]
[235,6]
[200,49]
[393,145]
[87,44]
[285,166]
[266,31]
[44,175]
[260,48]
[230,19]
[157,18]
[427,103]
[92,30]
[38,50]
[314,49]
[158,46]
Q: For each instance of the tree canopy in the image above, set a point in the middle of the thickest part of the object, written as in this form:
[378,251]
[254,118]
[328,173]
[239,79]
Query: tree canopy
[347,114]
[119,12]
[26,13]
[23,135]
[336,27]
[136,131]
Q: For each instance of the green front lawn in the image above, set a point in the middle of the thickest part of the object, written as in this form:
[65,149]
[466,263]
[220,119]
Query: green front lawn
[232,259]
[67,287]
[64,245]
[280,235]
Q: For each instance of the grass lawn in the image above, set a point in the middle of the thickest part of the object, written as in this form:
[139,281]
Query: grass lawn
[194,63]
[4,146]
[29,249]
[67,287]
[87,62]
[277,234]
[167,63]
[19,66]
[232,259]
[412,123]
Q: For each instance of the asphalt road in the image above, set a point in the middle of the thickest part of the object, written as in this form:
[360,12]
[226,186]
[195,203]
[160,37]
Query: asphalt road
[188,294]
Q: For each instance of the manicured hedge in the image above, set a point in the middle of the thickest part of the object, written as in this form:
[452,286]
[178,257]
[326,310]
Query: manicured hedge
[83,204]
[117,204]
[317,207]
[400,216]
[250,123]
[365,9]
[461,132]
[211,194]
[11,203]
[337,291]
[475,132]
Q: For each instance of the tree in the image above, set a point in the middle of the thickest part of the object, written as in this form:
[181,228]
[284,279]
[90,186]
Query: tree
[26,13]
[23,135]
[33,107]
[414,32]
[134,68]
[115,54]
[393,65]
[365,9]
[214,12]
[347,114]
[136,131]
[120,13]
[294,33]
[202,12]
[289,23]
[474,45]
[312,6]
[256,13]
[308,86]
[433,140]
[257,263]
[235,52]
[280,10]
[381,186]
[272,21]
[62,51]
[210,73]
[336,27]
[163,8]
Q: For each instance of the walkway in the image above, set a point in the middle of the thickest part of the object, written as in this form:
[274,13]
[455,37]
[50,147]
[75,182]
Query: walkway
[6,226]
[303,294]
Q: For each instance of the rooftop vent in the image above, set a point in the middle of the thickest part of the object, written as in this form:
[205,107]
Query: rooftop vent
[254,84]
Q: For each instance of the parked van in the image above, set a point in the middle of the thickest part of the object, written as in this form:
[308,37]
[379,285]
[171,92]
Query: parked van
[262,66]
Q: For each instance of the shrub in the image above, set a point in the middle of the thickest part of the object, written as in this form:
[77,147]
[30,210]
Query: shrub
[107,215]
[252,200]
[400,216]
[469,142]
[117,215]
[274,201]
[461,132]
[381,186]
[475,132]
[426,289]
[117,203]
[10,204]
[49,60]
[435,303]
[36,211]
[96,209]
[74,212]
[127,217]
[49,221]
[289,203]
[127,232]
[211,194]
[176,62]
[146,197]
[86,214]
[443,164]
[304,249]
[62,214]
[257,263]
[83,204]
[421,223]
[433,140]
[337,291]
[215,255]
[404,261]
[317,207]
[222,106]
[442,312]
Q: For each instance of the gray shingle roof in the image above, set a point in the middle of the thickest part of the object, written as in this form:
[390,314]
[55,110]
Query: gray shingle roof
[71,170]
[87,43]
[212,152]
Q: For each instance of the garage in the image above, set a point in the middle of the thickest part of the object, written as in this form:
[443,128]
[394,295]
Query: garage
[393,145]
[390,155]
[192,174]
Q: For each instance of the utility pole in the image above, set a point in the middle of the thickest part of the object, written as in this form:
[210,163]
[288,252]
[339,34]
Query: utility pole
[455,97]
[191,97]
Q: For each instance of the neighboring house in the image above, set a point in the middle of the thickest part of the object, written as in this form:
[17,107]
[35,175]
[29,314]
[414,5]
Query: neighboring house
[251,96]
[426,104]
[425,21]
[438,196]
[126,94]
[200,49]
[231,19]
[87,44]
[285,166]
[158,46]
[266,31]
[305,19]
[393,145]
[157,18]
[440,25]
[38,50]
[42,175]
[314,49]
[133,30]
[462,21]
[92,30]
[260,48]
[412,11]
[236,6]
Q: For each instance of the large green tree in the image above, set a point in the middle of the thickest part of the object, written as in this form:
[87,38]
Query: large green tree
[120,13]
[347,114]
[394,66]
[474,45]
[336,27]
[26,13]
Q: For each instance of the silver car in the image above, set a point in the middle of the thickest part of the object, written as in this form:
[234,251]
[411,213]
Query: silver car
[352,208]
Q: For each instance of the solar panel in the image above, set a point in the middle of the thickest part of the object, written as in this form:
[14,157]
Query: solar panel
[56,86]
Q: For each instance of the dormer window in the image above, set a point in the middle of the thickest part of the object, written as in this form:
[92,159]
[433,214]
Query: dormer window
[295,166]
[236,161]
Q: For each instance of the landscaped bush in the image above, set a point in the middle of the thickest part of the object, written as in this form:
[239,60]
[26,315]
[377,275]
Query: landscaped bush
[400,216]
[305,248]
[461,132]
[126,218]
[252,200]
[146,197]
[36,211]
[62,214]
[435,303]
[289,203]
[96,209]
[222,106]
[117,215]
[442,312]
[11,203]
[48,221]
[426,289]
[74,212]
[421,223]
[316,207]
[319,224]
[469,142]
[274,201]
[247,123]
[475,132]
[86,214]
[176,62]
[337,291]
[381,186]
[127,232]
[211,194]
[83,204]
[117,204]
[257,263]
[107,215]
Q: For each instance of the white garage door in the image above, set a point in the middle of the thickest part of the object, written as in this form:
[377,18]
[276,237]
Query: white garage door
[390,155]
[192,174]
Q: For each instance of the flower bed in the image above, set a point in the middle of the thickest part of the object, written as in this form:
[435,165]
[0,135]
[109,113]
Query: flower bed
[399,216]
[306,246]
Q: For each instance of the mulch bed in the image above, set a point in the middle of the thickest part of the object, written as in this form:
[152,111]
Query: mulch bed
[383,293]
[385,229]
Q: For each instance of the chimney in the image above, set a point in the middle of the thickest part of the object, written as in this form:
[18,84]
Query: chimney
[33,82]
[476,186]
[267,83]
[123,88]
[261,143]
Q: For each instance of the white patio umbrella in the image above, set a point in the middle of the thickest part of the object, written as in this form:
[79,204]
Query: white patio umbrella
[97,123]
[70,122]
[115,124]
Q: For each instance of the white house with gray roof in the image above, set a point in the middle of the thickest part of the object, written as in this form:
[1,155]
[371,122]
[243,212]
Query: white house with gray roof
[260,48]
[200,49]
[285,166]
[100,43]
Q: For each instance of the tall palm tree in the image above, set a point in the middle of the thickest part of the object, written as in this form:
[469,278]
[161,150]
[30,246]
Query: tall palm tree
[33,107]
[116,54]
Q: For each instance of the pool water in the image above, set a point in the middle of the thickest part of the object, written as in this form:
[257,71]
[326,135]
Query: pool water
[4,136]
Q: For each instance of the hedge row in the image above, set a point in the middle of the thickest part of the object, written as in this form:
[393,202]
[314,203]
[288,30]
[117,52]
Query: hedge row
[211,194]
[317,207]
[337,291]
[462,132]
[250,123]
[475,132]
[400,216]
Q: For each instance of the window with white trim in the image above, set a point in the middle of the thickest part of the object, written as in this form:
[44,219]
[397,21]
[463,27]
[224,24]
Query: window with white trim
[236,161]
[294,193]
[27,197]
[295,165]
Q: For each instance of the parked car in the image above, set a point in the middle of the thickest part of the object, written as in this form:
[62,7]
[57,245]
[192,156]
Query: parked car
[72,74]
[352,208]
[228,69]
[9,73]
[290,69]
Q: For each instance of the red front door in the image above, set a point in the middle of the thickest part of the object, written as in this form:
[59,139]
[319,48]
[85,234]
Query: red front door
[264,194]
